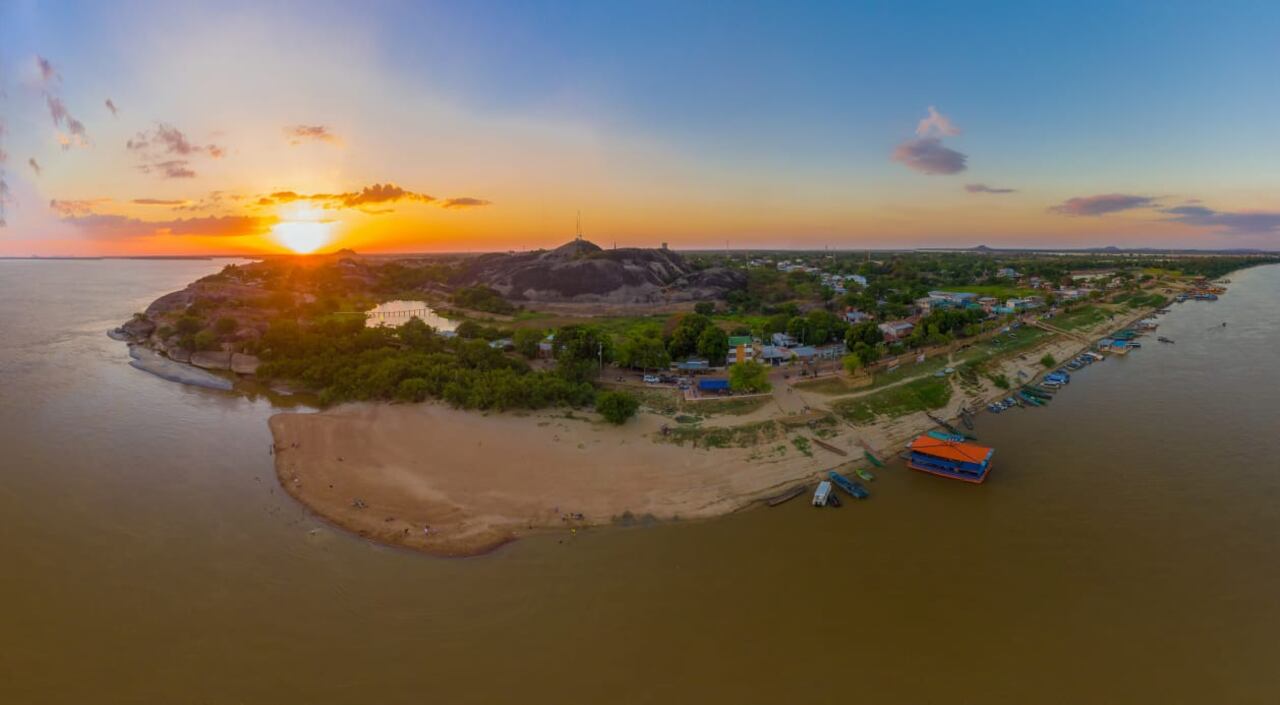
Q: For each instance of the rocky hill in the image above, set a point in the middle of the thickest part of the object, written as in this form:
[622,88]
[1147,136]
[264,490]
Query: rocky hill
[582,272]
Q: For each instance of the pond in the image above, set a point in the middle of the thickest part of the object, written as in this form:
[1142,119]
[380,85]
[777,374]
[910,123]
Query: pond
[397,313]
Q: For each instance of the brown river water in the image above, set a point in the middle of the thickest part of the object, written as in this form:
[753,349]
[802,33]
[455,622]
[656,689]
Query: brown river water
[1125,550]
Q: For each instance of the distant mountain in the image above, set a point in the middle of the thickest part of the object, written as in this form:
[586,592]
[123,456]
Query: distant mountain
[582,272]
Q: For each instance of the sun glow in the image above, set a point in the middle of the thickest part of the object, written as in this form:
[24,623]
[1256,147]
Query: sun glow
[303,231]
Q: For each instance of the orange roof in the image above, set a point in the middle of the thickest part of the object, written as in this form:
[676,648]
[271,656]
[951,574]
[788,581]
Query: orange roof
[950,450]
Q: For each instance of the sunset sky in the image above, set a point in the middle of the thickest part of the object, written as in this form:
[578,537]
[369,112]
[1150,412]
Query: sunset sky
[132,128]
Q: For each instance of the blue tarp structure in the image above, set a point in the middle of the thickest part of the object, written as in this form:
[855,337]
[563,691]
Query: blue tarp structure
[713,384]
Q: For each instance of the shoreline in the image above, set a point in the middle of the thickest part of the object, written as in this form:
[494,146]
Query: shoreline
[476,482]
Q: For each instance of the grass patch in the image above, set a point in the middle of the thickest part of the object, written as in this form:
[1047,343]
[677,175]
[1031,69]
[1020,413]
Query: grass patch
[742,436]
[920,395]
[660,401]
[832,386]
[736,407]
[1084,317]
[802,444]
[1013,341]
[999,291]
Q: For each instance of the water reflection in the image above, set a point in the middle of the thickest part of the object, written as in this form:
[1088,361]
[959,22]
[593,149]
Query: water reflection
[397,313]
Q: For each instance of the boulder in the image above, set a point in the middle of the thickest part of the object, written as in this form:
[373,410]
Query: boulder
[212,360]
[139,328]
[179,354]
[244,364]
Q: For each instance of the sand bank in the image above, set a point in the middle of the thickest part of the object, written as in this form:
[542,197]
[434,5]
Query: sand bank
[387,472]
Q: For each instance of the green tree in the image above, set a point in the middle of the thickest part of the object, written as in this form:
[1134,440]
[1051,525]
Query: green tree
[867,333]
[1048,360]
[205,340]
[188,325]
[526,341]
[581,351]
[749,376]
[852,363]
[225,326]
[644,350]
[617,407]
[686,335]
[705,308]
[713,344]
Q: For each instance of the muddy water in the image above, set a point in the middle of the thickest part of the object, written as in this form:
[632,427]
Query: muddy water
[1125,550]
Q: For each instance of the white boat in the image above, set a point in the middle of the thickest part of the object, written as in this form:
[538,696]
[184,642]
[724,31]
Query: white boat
[822,494]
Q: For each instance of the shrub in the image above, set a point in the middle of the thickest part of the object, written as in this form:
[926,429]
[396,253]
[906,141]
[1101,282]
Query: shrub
[749,376]
[1048,360]
[617,407]
[225,326]
[188,325]
[205,340]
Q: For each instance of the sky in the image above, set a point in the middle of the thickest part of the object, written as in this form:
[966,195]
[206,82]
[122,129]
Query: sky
[229,127]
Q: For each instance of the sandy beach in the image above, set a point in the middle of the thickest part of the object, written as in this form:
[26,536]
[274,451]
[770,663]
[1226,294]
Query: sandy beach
[391,472]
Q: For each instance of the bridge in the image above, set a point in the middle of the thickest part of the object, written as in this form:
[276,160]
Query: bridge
[406,314]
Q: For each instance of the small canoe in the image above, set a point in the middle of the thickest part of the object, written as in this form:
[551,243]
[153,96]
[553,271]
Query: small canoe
[854,489]
[873,459]
[786,496]
[864,474]
[827,446]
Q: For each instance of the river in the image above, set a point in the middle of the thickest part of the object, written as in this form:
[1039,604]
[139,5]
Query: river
[1125,550]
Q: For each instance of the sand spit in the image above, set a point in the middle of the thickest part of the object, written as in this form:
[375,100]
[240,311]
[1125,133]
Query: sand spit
[452,482]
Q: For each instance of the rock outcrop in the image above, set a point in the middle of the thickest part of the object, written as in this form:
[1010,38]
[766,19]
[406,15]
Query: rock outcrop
[212,359]
[582,272]
[244,364]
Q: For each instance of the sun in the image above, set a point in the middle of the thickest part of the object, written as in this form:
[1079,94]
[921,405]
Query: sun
[303,230]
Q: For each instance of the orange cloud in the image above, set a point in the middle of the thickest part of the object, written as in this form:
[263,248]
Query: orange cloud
[368,196]
[111,226]
[297,134]
[464,202]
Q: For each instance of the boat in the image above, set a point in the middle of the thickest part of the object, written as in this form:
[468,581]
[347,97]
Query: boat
[945,436]
[873,459]
[822,494]
[833,500]
[949,428]
[786,496]
[1164,339]
[966,462]
[854,489]
[865,475]
[1030,399]
[827,446]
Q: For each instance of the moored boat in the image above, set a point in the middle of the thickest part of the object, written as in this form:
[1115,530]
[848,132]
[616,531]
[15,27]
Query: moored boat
[873,459]
[854,489]
[786,496]
[822,494]
[967,462]
[864,474]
